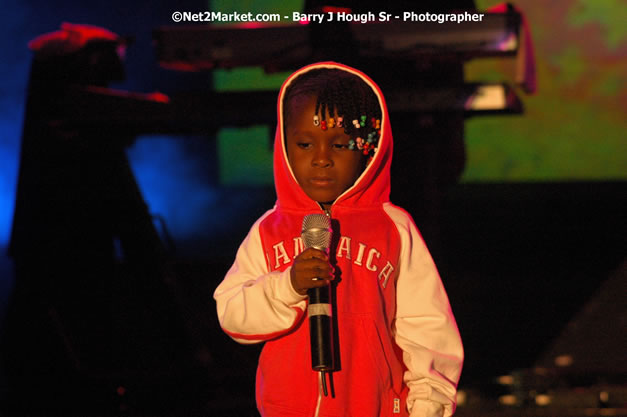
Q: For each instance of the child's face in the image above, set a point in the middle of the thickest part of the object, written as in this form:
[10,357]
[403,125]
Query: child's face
[322,163]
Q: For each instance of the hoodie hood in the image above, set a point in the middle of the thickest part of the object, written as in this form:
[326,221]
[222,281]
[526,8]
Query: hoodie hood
[372,188]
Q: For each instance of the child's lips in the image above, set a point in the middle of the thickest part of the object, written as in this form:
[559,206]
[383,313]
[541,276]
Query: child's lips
[321,181]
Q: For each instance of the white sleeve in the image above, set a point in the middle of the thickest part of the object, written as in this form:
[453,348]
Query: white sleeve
[425,328]
[254,304]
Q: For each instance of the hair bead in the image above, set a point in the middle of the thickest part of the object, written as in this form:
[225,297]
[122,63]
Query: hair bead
[360,143]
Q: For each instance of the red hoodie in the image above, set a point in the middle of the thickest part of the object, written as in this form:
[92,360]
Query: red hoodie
[400,350]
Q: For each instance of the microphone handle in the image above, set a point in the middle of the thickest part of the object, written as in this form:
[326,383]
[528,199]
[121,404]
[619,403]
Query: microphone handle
[320,328]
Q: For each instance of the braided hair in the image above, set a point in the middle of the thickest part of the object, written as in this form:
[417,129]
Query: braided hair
[341,95]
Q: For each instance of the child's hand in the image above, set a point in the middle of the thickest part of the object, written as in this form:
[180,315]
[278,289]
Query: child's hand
[311,269]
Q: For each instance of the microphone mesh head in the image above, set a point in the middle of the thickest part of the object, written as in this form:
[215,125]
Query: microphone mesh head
[316,232]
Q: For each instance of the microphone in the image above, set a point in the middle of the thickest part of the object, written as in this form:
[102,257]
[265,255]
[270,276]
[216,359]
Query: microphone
[316,233]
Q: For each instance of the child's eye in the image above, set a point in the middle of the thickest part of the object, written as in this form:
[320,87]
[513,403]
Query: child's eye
[340,145]
[304,145]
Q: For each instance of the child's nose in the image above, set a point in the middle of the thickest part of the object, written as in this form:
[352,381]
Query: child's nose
[322,159]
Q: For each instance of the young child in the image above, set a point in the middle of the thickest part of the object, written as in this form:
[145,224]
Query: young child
[400,353]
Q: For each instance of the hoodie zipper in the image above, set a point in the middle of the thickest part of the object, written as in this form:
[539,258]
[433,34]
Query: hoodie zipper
[320,376]
[326,211]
